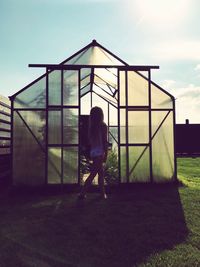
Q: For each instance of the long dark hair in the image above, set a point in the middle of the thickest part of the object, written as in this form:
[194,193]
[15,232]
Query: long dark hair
[96,121]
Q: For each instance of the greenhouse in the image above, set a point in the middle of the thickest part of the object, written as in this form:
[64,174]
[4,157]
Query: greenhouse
[50,121]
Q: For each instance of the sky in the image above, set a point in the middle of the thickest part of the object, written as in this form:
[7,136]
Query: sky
[146,32]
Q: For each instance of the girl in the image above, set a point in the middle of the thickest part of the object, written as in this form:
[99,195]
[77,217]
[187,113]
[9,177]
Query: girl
[98,150]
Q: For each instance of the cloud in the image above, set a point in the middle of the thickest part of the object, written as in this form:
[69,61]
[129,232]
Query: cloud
[197,68]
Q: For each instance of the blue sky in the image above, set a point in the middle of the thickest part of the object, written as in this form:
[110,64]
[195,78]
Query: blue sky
[164,33]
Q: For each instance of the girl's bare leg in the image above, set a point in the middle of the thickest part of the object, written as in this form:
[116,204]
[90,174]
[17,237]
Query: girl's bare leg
[97,164]
[101,181]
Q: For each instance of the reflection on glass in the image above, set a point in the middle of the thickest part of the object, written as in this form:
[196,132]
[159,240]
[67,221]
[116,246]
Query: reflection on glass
[138,126]
[70,165]
[54,126]
[54,81]
[70,124]
[33,97]
[70,87]
[139,164]
[123,164]
[54,165]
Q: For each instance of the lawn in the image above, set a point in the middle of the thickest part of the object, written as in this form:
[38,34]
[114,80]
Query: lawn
[147,226]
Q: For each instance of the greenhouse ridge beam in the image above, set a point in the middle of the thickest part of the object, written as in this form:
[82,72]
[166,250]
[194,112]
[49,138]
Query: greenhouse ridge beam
[77,67]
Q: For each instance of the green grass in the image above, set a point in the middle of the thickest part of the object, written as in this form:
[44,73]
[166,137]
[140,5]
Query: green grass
[145,226]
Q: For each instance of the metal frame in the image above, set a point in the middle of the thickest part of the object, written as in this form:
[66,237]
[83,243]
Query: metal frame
[120,68]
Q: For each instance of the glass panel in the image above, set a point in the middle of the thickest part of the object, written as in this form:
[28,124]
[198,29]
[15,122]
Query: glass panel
[106,76]
[139,164]
[85,81]
[94,56]
[70,87]
[86,104]
[122,88]
[163,147]
[28,155]
[137,90]
[105,92]
[54,165]
[33,96]
[113,120]
[113,134]
[70,165]
[54,81]
[85,90]
[54,126]
[36,121]
[122,125]
[159,99]
[123,164]
[70,126]
[138,126]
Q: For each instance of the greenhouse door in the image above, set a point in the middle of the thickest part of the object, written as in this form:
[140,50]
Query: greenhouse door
[63,110]
[134,127]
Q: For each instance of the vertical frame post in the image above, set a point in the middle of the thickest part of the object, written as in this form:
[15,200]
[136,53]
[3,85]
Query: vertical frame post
[62,126]
[174,135]
[127,142]
[118,115]
[79,114]
[12,136]
[46,127]
[150,128]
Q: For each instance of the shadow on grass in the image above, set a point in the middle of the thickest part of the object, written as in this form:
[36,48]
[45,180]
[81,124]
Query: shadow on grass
[124,230]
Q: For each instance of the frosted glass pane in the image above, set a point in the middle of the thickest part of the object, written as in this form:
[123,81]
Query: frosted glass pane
[137,90]
[105,76]
[85,81]
[36,121]
[70,124]
[138,126]
[163,147]
[106,94]
[54,165]
[85,90]
[139,164]
[70,87]
[54,82]
[54,126]
[122,88]
[122,125]
[28,156]
[113,135]
[159,99]
[94,56]
[32,97]
[86,104]
[113,115]
[70,165]
[123,164]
